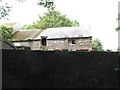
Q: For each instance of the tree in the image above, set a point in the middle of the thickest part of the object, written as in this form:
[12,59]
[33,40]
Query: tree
[54,19]
[6,32]
[28,27]
[75,23]
[5,9]
[117,29]
[49,4]
[96,45]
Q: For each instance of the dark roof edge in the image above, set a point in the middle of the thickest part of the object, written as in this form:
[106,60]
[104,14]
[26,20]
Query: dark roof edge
[68,38]
[25,40]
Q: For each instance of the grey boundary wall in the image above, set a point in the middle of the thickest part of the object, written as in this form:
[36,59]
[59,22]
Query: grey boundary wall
[59,69]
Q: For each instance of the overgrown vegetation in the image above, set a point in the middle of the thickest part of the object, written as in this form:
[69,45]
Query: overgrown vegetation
[28,27]
[6,32]
[28,38]
[97,45]
[117,29]
[119,52]
[37,34]
[43,48]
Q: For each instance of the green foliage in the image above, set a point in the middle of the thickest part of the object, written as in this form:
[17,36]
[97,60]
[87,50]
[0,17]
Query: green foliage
[96,45]
[74,23]
[118,28]
[6,32]
[49,4]
[70,50]
[109,50]
[37,34]
[119,52]
[5,9]
[28,38]
[43,48]
[28,27]
[54,19]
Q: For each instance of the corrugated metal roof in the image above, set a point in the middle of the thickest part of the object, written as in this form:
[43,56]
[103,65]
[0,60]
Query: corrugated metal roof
[24,34]
[62,32]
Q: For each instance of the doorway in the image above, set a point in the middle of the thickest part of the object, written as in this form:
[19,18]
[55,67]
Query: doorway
[44,40]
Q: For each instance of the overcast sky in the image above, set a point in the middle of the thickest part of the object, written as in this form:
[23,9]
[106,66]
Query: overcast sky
[100,16]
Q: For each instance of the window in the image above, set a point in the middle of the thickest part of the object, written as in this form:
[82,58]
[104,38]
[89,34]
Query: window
[71,42]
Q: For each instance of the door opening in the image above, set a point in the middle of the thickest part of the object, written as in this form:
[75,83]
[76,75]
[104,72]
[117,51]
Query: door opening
[44,40]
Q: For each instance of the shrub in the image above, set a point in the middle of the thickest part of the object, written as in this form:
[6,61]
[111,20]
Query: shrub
[6,32]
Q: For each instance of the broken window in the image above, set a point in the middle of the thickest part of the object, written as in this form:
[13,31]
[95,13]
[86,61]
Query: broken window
[71,42]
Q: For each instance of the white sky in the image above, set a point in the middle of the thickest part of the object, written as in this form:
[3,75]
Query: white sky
[100,16]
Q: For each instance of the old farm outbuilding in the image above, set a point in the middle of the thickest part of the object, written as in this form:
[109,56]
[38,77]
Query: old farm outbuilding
[64,38]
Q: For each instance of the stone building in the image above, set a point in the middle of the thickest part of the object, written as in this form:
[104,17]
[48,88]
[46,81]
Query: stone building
[75,43]
[65,38]
[33,44]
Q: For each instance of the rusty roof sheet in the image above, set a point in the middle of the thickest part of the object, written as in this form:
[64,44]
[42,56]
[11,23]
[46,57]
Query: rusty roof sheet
[25,34]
